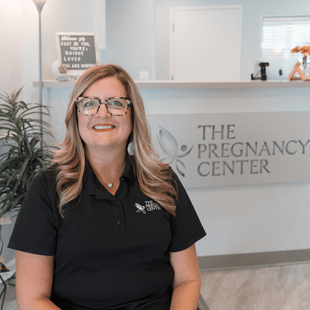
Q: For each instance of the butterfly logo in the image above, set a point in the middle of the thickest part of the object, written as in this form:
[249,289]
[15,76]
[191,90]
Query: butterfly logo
[170,147]
[140,208]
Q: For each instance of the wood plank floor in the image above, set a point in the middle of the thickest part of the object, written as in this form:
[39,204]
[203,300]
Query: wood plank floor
[272,288]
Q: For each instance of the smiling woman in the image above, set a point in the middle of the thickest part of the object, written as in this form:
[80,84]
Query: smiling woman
[123,212]
[106,132]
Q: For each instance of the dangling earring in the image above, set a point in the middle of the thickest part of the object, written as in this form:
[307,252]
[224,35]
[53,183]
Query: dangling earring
[131,148]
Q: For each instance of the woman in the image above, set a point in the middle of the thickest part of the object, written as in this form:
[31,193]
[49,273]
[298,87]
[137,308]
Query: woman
[108,226]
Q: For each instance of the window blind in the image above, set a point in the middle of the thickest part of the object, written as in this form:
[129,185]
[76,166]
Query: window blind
[281,34]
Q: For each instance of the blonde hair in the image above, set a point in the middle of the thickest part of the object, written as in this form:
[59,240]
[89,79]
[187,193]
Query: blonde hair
[154,177]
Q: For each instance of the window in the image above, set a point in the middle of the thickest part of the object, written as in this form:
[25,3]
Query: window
[280,34]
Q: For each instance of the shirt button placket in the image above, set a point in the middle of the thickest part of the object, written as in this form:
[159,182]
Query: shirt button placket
[119,214]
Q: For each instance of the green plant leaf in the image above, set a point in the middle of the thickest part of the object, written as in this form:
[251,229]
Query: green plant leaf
[23,157]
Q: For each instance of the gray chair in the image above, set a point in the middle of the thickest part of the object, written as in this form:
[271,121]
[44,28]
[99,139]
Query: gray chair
[202,305]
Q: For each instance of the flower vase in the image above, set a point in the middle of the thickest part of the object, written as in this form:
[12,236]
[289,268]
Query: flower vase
[305,68]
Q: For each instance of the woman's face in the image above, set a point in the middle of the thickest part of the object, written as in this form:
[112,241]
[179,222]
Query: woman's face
[103,131]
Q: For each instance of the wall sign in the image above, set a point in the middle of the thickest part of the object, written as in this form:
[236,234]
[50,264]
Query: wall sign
[228,149]
[77,50]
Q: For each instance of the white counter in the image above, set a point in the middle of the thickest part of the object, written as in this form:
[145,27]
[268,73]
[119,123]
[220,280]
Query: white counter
[193,85]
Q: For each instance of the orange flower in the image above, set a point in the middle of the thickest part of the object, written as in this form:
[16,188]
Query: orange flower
[295,49]
[307,50]
[303,50]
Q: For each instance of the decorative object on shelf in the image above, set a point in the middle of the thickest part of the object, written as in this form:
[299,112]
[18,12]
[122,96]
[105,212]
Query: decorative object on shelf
[59,72]
[302,67]
[262,71]
[62,77]
[55,69]
[62,69]
[23,157]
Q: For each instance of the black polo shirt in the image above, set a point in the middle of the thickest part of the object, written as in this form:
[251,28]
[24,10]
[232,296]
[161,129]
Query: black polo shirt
[111,252]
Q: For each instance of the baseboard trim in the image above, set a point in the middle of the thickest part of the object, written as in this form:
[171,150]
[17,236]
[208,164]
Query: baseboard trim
[251,260]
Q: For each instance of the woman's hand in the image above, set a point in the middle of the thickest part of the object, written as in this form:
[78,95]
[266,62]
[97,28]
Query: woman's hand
[187,280]
[34,279]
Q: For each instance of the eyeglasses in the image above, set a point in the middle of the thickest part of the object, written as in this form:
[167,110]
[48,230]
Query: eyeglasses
[116,106]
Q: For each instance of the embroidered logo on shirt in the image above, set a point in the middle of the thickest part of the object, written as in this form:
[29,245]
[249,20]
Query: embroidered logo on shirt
[140,208]
[149,206]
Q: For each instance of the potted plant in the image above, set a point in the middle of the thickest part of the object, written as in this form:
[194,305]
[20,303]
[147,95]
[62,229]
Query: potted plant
[25,153]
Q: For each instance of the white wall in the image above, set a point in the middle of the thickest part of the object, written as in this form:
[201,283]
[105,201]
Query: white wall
[130,26]
[11,65]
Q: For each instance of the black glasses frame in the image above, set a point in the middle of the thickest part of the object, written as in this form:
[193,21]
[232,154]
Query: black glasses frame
[105,102]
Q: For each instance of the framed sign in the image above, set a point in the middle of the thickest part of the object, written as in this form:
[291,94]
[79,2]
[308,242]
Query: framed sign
[78,51]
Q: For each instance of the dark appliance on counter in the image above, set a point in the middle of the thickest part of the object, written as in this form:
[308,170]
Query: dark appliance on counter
[263,73]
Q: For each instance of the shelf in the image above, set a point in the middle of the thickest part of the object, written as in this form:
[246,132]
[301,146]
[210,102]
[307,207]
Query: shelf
[192,85]
[219,85]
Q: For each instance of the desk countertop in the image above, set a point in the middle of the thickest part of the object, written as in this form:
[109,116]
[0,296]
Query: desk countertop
[161,84]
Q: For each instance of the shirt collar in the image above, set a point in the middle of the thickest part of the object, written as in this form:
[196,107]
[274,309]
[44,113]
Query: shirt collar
[91,183]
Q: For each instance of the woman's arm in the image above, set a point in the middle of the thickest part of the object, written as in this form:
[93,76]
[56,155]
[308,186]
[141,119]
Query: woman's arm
[186,279]
[34,279]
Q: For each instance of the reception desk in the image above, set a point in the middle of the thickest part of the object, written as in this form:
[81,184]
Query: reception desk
[247,219]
